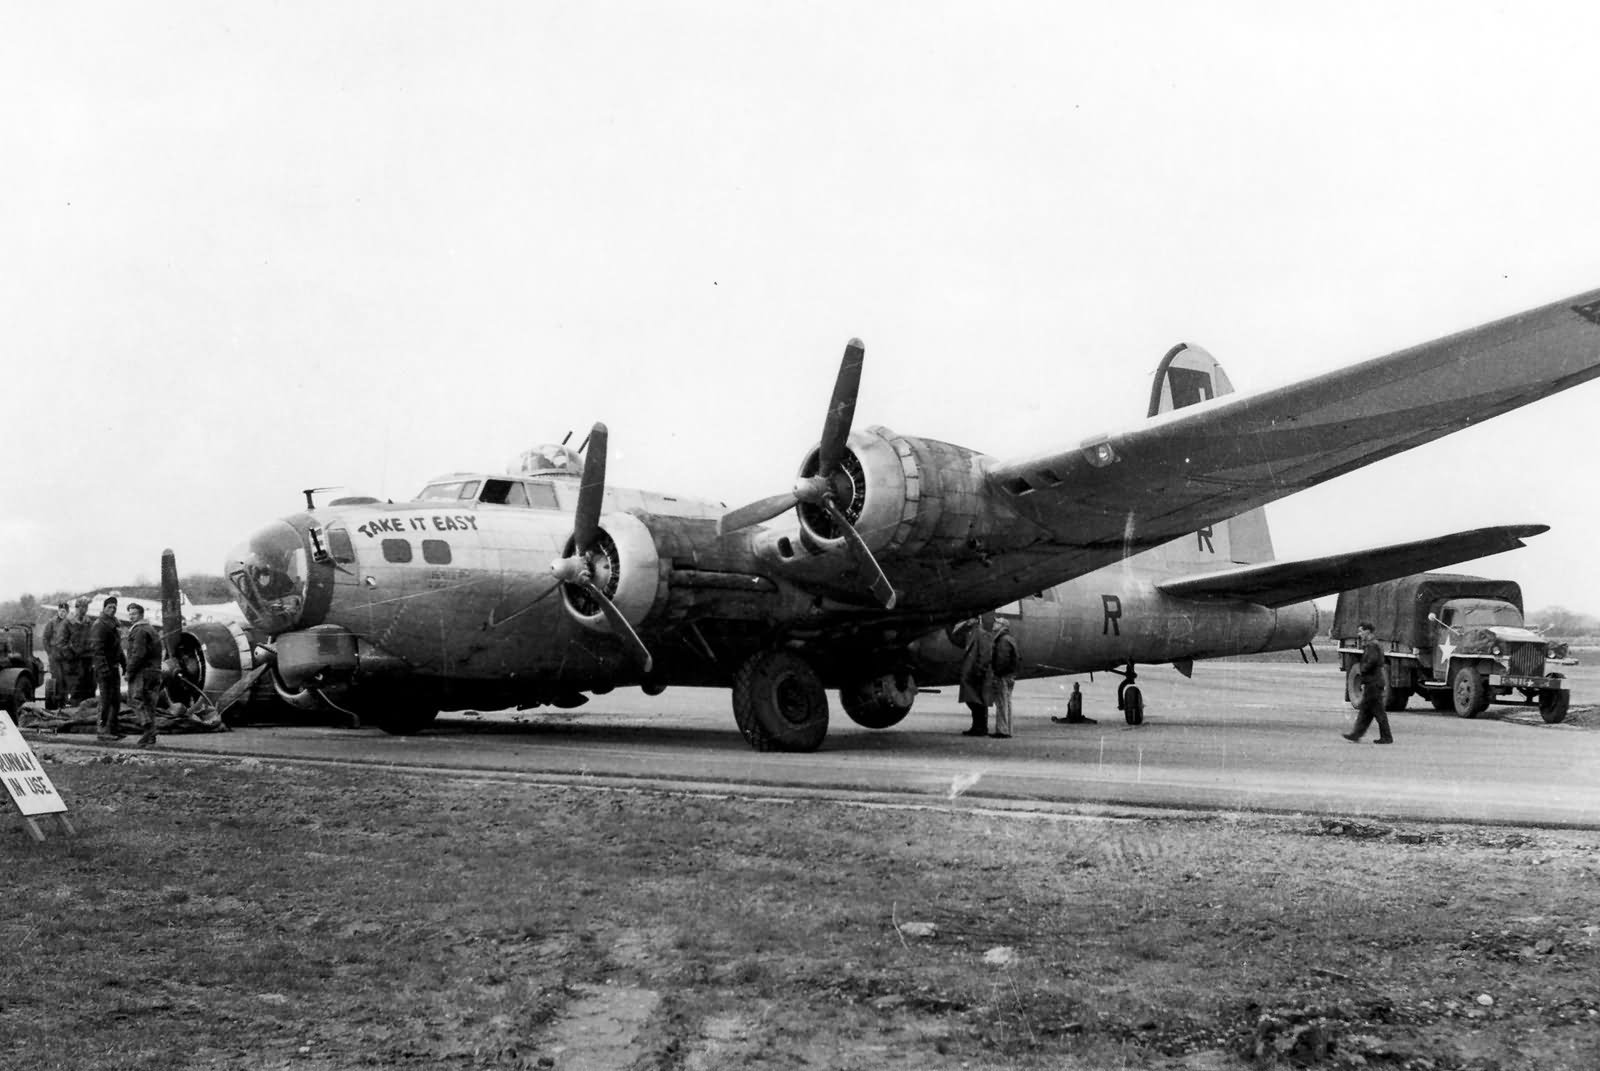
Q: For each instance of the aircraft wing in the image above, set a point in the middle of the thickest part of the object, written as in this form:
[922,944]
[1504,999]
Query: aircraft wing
[1182,470]
[1281,583]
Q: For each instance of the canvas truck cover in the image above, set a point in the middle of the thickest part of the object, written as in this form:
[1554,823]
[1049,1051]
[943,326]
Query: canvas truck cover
[1398,609]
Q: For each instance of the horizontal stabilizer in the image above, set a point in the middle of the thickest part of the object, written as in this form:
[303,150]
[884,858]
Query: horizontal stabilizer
[1281,583]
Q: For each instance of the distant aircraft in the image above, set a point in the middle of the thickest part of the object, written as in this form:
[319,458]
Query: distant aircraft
[1142,545]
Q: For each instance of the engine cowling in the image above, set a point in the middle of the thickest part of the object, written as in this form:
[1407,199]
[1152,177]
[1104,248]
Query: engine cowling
[626,566]
[904,493]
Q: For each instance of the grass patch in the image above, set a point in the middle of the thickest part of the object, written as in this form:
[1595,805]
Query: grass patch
[235,915]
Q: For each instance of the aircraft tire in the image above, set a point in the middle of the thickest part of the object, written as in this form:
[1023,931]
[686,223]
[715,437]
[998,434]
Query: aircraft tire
[1133,705]
[880,702]
[1553,703]
[406,720]
[1467,689]
[779,703]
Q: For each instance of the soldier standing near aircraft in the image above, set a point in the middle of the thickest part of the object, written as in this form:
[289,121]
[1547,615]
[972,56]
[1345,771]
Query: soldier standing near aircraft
[105,646]
[144,670]
[977,674]
[1003,665]
[53,633]
[1371,677]
[76,663]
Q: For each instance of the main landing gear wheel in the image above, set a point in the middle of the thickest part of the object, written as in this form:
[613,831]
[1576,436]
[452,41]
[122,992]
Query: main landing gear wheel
[879,702]
[779,703]
[1470,693]
[404,720]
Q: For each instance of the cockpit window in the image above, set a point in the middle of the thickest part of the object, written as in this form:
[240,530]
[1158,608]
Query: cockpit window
[339,545]
[504,493]
[451,489]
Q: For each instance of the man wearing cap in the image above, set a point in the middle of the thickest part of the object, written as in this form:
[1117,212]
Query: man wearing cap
[105,646]
[144,671]
[77,665]
[57,695]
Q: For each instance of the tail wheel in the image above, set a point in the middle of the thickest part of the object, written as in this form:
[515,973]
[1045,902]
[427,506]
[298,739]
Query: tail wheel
[1131,700]
[1468,690]
[779,703]
[1553,703]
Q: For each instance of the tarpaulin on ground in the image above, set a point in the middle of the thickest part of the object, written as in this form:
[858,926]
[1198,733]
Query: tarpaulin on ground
[199,716]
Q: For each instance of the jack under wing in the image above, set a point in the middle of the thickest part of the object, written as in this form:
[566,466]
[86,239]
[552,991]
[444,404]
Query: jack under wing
[1119,493]
[1276,584]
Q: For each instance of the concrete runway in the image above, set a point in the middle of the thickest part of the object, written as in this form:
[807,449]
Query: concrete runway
[1239,736]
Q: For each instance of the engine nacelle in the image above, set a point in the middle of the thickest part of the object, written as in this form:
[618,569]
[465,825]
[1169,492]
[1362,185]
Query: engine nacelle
[904,494]
[627,568]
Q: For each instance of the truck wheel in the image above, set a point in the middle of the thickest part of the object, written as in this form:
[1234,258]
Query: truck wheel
[1467,689]
[1553,702]
[1352,686]
[22,693]
[1396,698]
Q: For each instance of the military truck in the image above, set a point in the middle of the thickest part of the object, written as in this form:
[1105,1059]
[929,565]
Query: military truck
[20,671]
[1458,641]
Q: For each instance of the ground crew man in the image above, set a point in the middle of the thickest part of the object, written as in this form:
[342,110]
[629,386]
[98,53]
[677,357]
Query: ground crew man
[144,671]
[105,647]
[1372,677]
[53,632]
[77,665]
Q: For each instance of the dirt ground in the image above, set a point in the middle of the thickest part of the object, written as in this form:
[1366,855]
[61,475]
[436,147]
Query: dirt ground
[235,914]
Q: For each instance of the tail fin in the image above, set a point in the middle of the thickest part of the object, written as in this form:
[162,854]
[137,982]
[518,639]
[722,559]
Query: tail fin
[1188,375]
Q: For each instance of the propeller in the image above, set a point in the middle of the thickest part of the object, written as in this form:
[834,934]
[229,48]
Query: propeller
[241,687]
[579,568]
[831,482]
[171,605]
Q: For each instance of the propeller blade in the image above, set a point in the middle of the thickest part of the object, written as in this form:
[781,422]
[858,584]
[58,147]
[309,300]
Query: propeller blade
[240,688]
[841,408]
[620,623]
[591,491]
[171,604]
[881,588]
[763,510]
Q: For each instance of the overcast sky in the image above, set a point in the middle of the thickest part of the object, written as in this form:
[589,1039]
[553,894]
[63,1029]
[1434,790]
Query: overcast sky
[255,247]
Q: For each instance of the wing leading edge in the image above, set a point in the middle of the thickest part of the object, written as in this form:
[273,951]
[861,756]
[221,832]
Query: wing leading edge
[1275,584]
[1195,466]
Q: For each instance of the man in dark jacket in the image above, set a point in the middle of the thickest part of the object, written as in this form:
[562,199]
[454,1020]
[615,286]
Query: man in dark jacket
[1372,678]
[105,647]
[144,671]
[977,677]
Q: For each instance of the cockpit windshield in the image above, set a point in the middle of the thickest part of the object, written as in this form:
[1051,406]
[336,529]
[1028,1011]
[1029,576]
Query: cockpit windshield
[268,575]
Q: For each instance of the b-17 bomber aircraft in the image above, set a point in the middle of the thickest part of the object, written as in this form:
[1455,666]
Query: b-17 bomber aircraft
[1144,545]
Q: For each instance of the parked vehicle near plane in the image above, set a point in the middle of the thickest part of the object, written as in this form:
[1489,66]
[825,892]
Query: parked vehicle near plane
[1458,641]
[20,670]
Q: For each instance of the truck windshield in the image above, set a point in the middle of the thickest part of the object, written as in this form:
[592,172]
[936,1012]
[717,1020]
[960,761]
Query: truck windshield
[1484,615]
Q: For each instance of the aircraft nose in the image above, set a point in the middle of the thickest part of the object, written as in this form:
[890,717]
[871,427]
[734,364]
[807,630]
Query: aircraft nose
[268,573]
